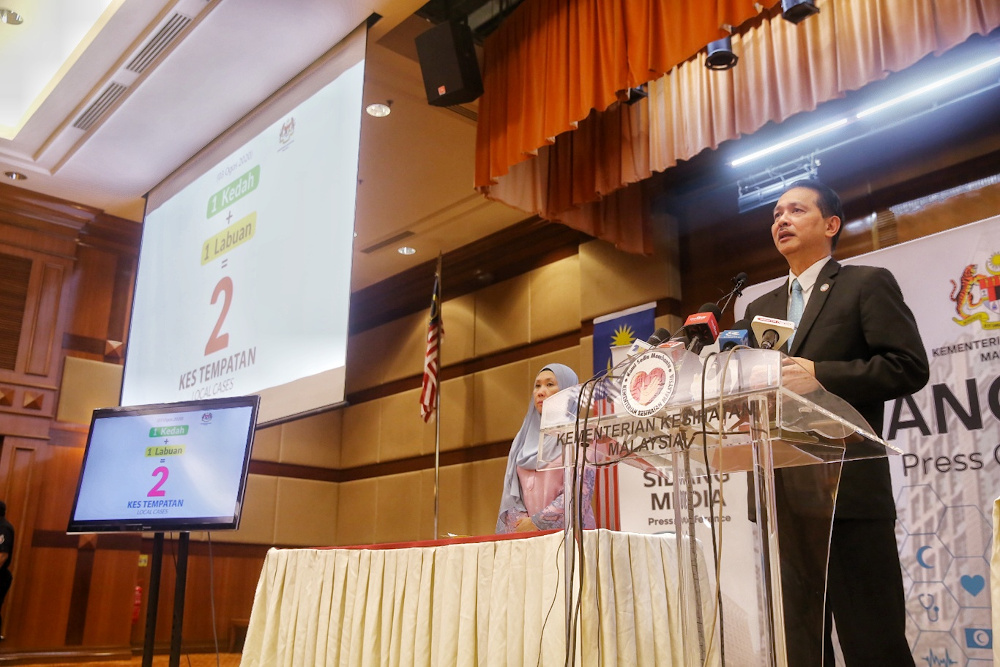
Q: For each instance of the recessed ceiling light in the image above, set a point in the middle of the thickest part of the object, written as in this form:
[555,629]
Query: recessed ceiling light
[10,17]
[406,250]
[15,176]
[379,109]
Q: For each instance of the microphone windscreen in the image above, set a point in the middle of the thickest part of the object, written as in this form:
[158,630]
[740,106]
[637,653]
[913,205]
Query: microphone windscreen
[771,333]
[731,338]
[711,308]
[658,337]
[704,324]
[745,324]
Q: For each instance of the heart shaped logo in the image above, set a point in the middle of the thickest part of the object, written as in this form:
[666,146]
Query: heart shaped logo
[645,386]
[974,584]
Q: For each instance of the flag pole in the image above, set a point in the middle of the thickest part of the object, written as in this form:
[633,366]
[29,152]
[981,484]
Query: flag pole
[437,416]
[430,386]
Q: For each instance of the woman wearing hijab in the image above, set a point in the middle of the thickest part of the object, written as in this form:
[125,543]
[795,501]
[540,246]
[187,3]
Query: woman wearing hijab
[533,499]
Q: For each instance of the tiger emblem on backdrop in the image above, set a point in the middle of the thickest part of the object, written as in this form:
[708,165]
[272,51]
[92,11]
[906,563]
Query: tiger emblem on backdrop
[977,295]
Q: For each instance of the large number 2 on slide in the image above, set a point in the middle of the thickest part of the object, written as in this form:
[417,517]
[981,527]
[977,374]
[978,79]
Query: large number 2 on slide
[219,341]
[156,491]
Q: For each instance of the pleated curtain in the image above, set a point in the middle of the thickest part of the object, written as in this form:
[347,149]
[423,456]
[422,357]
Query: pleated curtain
[555,138]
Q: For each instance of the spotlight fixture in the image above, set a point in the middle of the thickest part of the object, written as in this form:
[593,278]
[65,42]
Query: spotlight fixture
[379,109]
[15,176]
[406,250]
[10,17]
[720,54]
[766,186]
[797,11]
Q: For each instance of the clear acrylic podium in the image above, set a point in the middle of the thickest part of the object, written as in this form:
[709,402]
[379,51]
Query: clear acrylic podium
[695,425]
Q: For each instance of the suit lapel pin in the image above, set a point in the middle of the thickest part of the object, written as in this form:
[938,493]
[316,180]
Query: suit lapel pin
[824,287]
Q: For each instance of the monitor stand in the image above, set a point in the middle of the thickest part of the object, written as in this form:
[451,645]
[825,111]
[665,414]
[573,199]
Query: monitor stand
[154,600]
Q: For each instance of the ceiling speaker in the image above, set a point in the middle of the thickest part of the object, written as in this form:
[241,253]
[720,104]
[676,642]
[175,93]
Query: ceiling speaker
[449,65]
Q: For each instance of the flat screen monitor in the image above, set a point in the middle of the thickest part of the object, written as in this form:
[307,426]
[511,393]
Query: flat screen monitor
[166,467]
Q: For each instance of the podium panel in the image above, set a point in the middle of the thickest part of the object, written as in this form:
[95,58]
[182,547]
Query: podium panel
[693,424]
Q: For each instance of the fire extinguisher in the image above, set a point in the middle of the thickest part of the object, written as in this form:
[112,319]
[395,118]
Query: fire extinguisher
[136,604]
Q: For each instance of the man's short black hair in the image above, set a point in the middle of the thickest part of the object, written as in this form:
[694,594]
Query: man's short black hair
[828,200]
[3,508]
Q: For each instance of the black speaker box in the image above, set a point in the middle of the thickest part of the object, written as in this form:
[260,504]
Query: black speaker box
[449,65]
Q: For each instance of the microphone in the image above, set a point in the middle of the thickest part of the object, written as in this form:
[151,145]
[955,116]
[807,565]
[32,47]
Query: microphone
[741,334]
[700,329]
[771,333]
[638,346]
[658,337]
[739,281]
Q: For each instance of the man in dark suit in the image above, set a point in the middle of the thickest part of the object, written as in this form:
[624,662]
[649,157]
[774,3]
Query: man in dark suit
[858,338]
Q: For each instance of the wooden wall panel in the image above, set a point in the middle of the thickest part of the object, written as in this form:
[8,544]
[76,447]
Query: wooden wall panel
[231,572]
[93,278]
[41,603]
[709,257]
[939,216]
[43,328]
[113,578]
[19,488]
[29,391]
[61,471]
[15,275]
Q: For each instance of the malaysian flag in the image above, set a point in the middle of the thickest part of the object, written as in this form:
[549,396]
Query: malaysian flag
[432,356]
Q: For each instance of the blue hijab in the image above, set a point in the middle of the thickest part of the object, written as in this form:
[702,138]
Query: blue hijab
[524,448]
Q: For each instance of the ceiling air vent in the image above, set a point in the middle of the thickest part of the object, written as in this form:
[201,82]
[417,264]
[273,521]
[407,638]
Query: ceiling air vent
[100,105]
[160,41]
[389,241]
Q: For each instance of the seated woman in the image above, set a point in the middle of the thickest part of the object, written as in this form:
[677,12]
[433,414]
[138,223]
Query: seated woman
[533,499]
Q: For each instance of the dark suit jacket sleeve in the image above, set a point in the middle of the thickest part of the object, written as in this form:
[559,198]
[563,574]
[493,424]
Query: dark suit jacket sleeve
[892,360]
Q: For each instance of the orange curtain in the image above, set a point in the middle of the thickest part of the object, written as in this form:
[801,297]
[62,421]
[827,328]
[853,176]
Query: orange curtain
[590,178]
[554,61]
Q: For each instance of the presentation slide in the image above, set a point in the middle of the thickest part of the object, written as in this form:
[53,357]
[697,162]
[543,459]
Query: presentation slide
[243,283]
[174,467]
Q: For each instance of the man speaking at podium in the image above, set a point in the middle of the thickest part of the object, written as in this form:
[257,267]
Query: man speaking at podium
[858,338]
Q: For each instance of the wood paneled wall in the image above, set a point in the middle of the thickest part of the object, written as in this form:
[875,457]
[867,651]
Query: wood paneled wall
[68,592]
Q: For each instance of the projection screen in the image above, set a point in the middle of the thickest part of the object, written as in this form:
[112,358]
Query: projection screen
[243,283]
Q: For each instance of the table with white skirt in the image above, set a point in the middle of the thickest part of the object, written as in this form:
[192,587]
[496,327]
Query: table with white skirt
[487,601]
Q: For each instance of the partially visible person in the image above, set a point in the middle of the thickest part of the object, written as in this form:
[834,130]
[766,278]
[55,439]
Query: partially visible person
[6,553]
[534,499]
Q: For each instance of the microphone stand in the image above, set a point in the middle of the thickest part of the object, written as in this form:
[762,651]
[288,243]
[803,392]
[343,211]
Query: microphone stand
[739,281]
